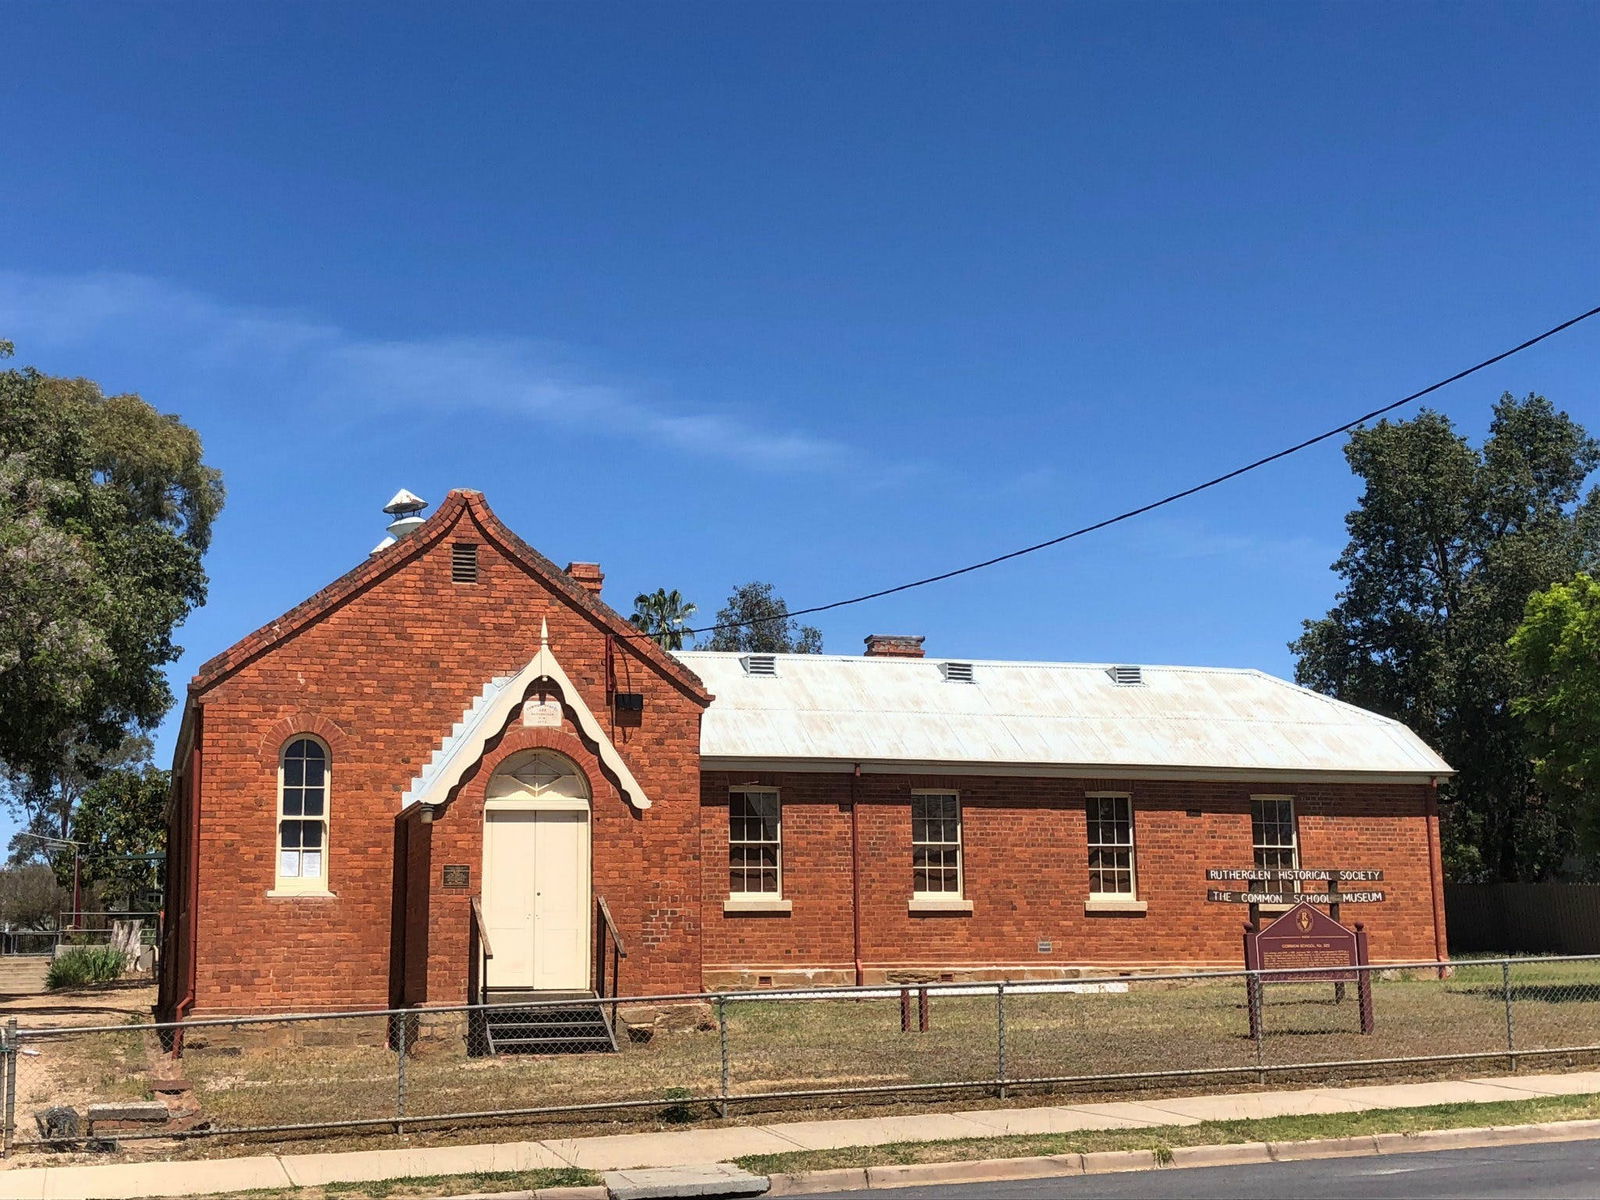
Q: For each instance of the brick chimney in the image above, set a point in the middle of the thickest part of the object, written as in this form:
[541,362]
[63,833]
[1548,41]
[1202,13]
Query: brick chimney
[588,576]
[893,645]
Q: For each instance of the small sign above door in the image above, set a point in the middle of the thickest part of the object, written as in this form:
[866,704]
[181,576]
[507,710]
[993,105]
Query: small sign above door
[457,875]
[545,713]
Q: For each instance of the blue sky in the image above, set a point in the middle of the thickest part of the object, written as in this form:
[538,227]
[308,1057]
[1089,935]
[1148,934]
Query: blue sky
[820,294]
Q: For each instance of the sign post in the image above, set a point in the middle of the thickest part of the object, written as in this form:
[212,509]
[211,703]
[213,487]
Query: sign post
[1306,945]
[1303,937]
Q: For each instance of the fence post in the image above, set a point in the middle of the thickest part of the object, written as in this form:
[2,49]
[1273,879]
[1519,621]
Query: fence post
[1258,1019]
[1000,1029]
[722,1039]
[1511,1029]
[11,1047]
[402,1030]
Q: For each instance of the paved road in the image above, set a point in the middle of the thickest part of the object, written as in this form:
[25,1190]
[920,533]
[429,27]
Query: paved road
[1551,1171]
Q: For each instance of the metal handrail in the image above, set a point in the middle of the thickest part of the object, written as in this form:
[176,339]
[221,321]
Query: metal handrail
[611,926]
[483,930]
[608,929]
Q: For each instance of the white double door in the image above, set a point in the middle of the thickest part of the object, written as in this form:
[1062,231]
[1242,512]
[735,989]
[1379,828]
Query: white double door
[536,896]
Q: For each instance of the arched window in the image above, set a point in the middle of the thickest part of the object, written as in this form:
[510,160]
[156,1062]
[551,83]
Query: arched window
[538,775]
[303,816]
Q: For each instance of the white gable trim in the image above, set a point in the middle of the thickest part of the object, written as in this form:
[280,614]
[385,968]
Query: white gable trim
[488,716]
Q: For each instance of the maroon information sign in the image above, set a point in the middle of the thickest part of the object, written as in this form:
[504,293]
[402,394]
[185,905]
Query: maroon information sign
[1304,941]
[1304,937]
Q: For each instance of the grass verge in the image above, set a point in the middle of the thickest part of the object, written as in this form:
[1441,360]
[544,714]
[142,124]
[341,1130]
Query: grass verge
[1160,1139]
[1168,1137]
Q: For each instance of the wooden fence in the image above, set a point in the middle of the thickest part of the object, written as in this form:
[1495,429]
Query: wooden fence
[1523,918]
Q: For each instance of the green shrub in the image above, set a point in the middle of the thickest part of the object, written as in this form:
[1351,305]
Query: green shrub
[79,965]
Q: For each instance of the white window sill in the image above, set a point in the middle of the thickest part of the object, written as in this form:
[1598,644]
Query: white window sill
[1279,909]
[1115,904]
[756,904]
[301,894]
[939,904]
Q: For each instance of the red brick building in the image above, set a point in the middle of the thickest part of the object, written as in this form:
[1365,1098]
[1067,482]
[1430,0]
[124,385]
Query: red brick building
[458,742]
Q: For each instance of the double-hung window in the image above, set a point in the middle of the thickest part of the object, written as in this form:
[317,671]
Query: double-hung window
[303,817]
[755,843]
[1272,831]
[1110,827]
[936,845]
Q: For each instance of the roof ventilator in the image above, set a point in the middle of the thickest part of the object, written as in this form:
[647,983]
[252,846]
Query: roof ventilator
[1126,676]
[957,672]
[760,664]
[464,562]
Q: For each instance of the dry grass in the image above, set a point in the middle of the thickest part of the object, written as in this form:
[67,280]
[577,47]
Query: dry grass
[1206,1133]
[318,1072]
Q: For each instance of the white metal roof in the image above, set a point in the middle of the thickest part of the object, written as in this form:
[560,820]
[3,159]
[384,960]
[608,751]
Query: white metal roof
[830,711]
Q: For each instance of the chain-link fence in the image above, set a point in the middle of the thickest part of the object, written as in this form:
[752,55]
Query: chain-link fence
[685,1057]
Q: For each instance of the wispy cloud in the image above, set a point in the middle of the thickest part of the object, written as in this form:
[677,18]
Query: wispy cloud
[1189,538]
[339,370]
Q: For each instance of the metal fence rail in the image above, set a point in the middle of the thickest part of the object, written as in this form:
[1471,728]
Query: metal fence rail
[682,1057]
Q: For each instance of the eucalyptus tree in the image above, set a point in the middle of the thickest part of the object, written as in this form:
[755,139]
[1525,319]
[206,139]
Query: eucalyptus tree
[1447,543]
[106,508]
[756,620]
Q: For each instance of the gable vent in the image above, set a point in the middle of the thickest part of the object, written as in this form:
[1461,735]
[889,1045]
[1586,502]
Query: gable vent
[957,672]
[1126,676]
[760,664]
[464,562]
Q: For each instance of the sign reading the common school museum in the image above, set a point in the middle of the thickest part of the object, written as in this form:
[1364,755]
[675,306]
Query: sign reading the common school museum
[1257,876]
[1294,897]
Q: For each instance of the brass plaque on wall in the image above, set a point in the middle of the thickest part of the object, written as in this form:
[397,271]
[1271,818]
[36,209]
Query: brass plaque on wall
[457,875]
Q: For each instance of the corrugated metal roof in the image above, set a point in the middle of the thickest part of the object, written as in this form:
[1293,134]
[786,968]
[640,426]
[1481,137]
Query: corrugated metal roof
[835,709]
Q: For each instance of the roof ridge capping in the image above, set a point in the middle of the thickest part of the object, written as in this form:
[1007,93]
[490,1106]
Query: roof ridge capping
[934,660]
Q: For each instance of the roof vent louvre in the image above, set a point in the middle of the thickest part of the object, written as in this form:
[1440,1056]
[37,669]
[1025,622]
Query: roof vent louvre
[1126,676]
[464,562]
[760,664]
[957,672]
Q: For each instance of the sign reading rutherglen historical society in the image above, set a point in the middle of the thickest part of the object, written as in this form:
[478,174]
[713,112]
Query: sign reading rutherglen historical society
[1254,879]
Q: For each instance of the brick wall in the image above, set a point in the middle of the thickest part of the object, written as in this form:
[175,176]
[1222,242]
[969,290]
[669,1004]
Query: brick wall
[381,674]
[382,663]
[1026,873]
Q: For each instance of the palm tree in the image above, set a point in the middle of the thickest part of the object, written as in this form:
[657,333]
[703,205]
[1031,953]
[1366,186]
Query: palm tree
[664,616]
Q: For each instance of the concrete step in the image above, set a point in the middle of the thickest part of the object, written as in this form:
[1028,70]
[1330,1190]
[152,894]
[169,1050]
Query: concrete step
[24,974]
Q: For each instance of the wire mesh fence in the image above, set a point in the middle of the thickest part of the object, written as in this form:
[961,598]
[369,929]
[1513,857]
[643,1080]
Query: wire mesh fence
[682,1058]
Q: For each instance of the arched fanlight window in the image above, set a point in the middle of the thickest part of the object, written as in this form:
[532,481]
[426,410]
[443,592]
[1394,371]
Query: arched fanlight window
[303,816]
[538,775]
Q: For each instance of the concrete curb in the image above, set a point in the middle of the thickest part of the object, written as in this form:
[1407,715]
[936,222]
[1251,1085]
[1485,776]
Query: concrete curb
[592,1192]
[846,1179]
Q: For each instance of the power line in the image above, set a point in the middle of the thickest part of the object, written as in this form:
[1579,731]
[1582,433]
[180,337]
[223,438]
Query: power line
[1175,496]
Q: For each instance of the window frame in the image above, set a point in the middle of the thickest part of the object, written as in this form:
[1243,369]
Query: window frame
[959,844]
[750,897]
[1131,847]
[1293,845]
[303,885]
[1291,885]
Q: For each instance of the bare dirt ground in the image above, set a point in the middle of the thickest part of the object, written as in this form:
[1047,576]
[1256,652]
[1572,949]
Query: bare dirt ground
[104,1004]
